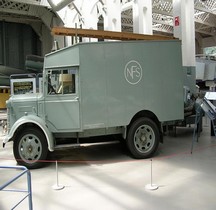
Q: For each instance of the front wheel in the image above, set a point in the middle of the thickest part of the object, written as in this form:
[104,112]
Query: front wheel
[143,138]
[30,148]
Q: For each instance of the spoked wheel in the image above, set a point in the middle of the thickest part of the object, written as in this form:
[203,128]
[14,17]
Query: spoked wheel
[30,148]
[143,138]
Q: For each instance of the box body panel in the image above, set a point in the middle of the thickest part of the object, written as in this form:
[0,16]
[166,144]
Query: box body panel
[119,79]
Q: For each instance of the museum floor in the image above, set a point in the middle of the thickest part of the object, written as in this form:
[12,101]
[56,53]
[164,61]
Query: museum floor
[105,177]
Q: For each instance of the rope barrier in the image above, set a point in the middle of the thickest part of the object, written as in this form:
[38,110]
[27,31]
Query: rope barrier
[188,152]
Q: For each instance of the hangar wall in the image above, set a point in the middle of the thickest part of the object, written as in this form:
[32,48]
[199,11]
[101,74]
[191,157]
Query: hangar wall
[16,41]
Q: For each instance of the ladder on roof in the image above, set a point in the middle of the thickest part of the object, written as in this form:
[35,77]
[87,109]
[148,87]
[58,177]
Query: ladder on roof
[101,34]
[210,110]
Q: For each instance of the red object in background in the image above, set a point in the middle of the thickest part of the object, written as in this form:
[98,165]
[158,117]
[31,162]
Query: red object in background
[177,21]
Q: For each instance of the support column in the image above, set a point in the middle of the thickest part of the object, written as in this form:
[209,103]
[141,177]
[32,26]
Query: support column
[184,29]
[69,18]
[90,18]
[142,17]
[112,19]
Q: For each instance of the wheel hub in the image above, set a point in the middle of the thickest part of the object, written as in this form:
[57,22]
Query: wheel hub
[144,138]
[30,148]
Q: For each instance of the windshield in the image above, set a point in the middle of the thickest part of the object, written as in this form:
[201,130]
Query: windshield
[25,84]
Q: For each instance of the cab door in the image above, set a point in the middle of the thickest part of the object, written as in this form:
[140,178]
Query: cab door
[62,108]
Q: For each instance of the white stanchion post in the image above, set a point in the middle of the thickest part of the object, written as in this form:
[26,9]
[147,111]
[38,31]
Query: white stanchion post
[151,186]
[57,186]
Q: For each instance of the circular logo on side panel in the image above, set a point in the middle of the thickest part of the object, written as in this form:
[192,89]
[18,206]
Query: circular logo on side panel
[133,72]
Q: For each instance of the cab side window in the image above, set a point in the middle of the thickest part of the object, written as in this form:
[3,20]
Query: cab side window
[62,81]
[68,81]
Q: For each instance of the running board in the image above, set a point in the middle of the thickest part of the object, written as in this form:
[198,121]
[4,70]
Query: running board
[60,146]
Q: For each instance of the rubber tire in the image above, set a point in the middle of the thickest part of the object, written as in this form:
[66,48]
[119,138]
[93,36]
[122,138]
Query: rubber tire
[40,138]
[131,138]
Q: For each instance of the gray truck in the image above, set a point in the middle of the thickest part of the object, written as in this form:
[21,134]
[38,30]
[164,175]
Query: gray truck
[131,89]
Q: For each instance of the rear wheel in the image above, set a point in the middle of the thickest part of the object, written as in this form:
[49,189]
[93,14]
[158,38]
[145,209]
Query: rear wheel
[143,138]
[30,148]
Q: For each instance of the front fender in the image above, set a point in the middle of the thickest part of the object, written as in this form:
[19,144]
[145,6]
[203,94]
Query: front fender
[34,120]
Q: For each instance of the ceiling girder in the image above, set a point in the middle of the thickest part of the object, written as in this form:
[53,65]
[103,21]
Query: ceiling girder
[205,14]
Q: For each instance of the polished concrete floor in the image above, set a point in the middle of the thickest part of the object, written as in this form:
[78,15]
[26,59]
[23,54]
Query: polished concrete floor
[105,177]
